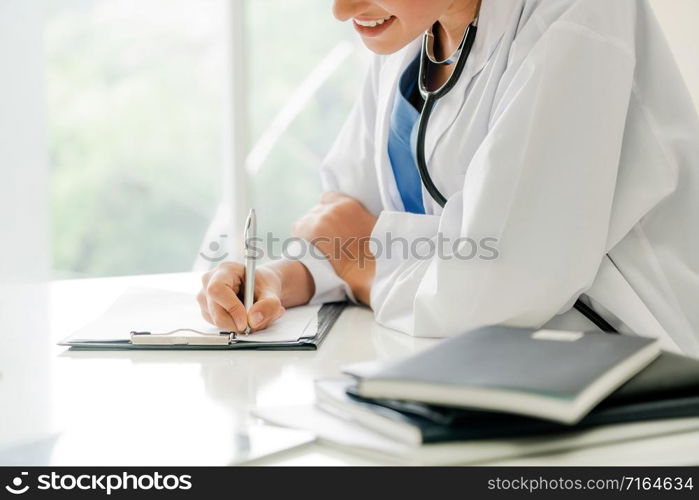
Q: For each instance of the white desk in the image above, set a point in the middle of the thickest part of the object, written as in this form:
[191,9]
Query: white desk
[89,401]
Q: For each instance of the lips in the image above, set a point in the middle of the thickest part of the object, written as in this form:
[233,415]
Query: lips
[372,27]
[372,23]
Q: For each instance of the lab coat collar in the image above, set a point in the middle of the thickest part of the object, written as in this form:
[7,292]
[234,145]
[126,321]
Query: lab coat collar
[495,17]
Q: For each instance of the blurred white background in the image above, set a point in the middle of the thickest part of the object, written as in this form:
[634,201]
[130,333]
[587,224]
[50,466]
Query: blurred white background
[139,98]
[24,244]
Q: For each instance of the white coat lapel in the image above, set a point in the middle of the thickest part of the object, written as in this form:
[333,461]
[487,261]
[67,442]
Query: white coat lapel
[496,16]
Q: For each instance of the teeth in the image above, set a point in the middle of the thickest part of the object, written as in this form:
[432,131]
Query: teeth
[373,23]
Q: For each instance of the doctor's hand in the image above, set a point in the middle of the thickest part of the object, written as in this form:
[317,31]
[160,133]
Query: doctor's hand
[278,285]
[340,227]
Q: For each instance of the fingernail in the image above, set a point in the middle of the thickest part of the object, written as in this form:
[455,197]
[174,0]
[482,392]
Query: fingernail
[257,319]
[240,324]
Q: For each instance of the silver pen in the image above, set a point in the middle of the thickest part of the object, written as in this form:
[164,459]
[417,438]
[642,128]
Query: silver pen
[250,236]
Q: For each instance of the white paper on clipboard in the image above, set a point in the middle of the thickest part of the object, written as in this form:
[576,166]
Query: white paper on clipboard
[158,311]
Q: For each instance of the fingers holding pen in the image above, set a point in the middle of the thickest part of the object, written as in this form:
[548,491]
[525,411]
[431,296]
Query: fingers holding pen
[265,311]
[222,302]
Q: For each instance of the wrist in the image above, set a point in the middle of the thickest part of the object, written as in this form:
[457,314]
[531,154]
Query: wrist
[360,280]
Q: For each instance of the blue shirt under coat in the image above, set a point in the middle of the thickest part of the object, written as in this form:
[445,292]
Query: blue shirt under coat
[402,141]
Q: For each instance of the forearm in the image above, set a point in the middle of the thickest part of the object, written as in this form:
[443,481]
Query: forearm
[297,286]
[340,228]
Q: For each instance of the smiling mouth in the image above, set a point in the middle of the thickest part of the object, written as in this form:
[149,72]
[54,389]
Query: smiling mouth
[372,27]
[371,23]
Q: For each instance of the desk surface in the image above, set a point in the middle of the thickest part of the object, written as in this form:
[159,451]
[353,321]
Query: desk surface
[86,403]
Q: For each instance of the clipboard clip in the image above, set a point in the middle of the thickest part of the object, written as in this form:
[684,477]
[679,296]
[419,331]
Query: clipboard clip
[172,337]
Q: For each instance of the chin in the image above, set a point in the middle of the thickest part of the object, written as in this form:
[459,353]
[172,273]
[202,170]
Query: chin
[382,48]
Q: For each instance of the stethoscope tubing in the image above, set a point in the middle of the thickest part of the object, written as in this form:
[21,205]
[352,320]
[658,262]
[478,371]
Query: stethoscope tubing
[431,98]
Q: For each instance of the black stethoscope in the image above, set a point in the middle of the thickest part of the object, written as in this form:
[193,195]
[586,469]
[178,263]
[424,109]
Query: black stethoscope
[430,99]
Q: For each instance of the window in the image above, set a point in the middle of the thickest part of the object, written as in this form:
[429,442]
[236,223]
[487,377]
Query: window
[306,71]
[136,96]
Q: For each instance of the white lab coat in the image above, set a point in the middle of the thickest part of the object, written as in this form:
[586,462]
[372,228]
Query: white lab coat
[570,138]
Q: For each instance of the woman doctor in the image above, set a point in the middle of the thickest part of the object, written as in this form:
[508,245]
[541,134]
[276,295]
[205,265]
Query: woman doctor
[567,151]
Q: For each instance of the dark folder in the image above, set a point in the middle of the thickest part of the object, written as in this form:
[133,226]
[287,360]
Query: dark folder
[667,388]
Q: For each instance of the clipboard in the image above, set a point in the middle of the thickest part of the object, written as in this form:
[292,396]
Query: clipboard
[309,337]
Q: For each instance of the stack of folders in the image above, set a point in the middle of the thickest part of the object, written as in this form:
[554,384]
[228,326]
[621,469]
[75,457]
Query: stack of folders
[501,382]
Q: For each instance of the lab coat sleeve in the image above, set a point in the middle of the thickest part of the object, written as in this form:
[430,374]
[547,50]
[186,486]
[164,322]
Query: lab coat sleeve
[329,287]
[352,175]
[539,191]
